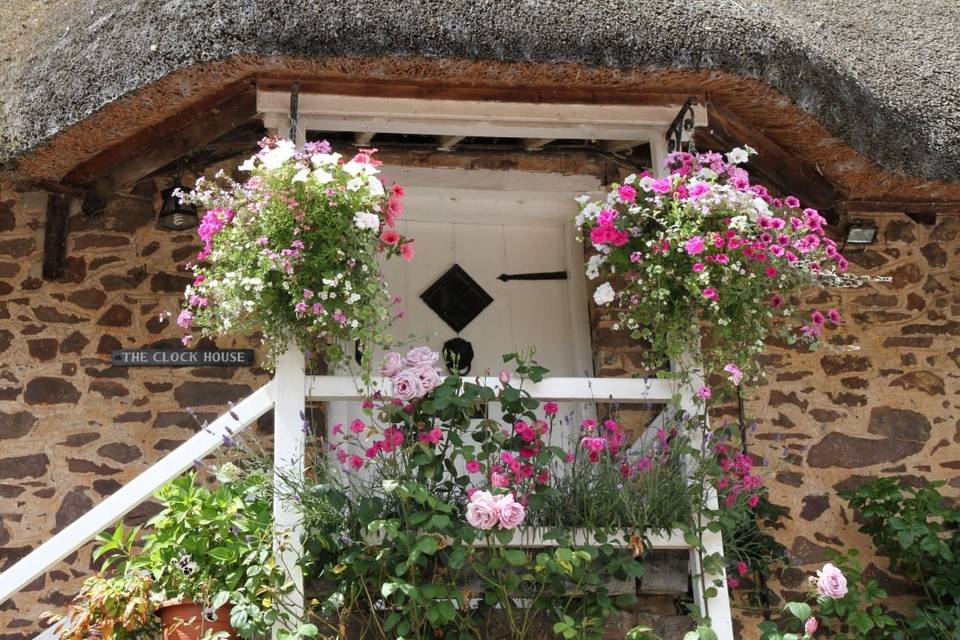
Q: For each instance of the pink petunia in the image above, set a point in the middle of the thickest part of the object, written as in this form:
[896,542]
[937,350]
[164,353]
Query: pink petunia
[698,267]
[627,193]
[710,294]
[694,245]
[704,393]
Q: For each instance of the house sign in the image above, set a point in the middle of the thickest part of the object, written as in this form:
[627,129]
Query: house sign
[182,358]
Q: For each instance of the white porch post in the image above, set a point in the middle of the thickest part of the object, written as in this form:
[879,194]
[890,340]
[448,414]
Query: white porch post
[289,438]
[717,607]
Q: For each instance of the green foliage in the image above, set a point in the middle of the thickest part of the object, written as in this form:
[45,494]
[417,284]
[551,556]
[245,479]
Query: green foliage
[118,607]
[389,546]
[918,530]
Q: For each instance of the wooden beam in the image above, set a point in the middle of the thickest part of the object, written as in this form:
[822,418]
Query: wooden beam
[780,166]
[88,171]
[447,143]
[219,120]
[433,90]
[55,236]
[901,206]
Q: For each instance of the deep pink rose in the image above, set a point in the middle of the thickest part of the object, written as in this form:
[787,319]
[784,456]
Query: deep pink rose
[392,363]
[831,582]
[512,512]
[483,512]
[473,466]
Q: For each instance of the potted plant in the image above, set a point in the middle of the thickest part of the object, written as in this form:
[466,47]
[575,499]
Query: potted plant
[425,521]
[292,252]
[203,566]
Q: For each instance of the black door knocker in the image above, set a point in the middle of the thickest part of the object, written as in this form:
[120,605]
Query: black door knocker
[458,356]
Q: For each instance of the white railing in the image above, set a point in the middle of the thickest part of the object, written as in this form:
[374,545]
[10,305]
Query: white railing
[140,489]
[287,395]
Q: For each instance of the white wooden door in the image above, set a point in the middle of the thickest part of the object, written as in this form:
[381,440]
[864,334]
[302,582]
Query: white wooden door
[492,223]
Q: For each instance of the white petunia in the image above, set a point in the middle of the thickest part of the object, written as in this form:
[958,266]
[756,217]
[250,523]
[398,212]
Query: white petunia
[301,175]
[249,164]
[354,184]
[737,156]
[273,158]
[593,266]
[646,183]
[376,187]
[365,220]
[323,159]
[604,294]
[322,176]
[360,168]
[582,200]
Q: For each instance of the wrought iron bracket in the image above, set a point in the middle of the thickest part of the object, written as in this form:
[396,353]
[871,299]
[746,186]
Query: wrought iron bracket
[681,129]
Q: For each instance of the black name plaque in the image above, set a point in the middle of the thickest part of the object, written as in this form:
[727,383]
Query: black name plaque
[182,358]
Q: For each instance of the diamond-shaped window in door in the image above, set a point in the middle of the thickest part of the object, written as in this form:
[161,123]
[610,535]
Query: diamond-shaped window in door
[456,298]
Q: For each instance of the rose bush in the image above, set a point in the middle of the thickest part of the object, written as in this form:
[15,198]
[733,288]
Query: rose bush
[439,481]
[292,252]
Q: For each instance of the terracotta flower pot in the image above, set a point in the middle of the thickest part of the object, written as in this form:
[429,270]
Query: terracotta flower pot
[184,620]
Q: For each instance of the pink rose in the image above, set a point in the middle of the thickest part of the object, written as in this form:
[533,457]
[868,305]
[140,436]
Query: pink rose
[499,480]
[407,386]
[811,625]
[504,377]
[421,357]
[392,363]
[357,426]
[429,377]
[551,408]
[473,466]
[512,512]
[831,582]
[483,512]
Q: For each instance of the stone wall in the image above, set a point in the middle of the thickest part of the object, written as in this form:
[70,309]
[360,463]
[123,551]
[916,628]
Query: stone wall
[73,429]
[883,400]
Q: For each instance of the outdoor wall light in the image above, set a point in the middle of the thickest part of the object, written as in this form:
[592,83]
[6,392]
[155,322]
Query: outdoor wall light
[861,232]
[175,215]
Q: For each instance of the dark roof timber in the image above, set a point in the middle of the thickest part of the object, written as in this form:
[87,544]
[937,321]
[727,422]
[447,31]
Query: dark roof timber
[811,76]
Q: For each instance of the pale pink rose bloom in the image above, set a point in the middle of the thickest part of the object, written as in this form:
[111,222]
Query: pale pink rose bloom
[811,625]
[407,386]
[831,582]
[512,512]
[429,377]
[422,357]
[483,512]
[504,376]
[392,363]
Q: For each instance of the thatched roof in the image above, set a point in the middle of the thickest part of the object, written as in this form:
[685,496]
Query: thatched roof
[880,74]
